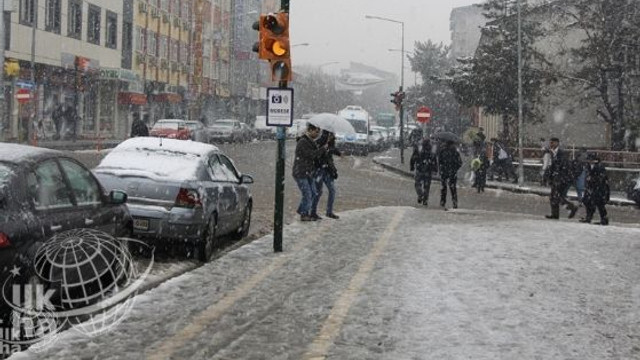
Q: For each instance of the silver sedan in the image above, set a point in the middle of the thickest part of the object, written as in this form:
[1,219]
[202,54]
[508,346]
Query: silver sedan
[181,191]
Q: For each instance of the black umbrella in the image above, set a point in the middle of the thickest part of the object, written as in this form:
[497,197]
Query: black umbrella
[447,136]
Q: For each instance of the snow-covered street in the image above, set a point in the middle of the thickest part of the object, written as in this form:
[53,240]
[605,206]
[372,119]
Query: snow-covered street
[395,283]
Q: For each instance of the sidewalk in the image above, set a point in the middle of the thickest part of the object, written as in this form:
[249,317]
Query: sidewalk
[391,283]
[390,160]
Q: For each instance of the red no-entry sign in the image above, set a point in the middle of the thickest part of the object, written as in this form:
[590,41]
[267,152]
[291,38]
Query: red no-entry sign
[23,95]
[424,115]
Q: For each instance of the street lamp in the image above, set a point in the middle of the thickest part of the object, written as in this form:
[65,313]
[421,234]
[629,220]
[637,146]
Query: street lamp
[300,44]
[401,79]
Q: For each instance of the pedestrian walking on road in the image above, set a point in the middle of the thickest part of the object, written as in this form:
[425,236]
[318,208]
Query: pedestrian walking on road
[304,169]
[597,191]
[502,161]
[449,161]
[424,163]
[138,127]
[560,175]
[326,174]
[546,161]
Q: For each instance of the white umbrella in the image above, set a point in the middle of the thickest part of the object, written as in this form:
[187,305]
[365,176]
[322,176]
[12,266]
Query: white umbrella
[332,123]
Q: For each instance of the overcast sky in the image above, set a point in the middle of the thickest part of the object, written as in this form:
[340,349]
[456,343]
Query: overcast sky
[337,30]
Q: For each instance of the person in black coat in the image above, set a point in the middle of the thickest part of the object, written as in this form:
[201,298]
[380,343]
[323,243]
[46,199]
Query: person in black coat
[449,161]
[138,127]
[597,190]
[304,169]
[424,163]
[326,174]
[560,175]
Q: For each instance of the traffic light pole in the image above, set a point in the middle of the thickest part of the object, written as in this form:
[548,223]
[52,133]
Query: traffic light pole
[278,214]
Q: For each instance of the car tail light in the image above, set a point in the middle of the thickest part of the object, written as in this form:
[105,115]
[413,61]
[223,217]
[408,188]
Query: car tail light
[4,241]
[188,198]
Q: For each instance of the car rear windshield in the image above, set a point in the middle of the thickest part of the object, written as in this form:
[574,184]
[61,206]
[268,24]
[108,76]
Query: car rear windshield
[173,125]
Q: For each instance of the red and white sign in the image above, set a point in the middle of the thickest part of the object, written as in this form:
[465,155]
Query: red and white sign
[424,115]
[23,95]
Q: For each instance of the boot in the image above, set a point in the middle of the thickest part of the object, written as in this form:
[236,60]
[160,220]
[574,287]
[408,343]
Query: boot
[604,221]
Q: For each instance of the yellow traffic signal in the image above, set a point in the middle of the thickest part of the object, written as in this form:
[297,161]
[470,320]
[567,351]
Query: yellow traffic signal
[274,36]
[11,67]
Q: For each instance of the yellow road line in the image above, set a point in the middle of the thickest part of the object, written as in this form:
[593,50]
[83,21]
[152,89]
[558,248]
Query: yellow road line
[320,346]
[171,345]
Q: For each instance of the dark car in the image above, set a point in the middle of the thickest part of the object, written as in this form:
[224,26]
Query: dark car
[180,192]
[42,193]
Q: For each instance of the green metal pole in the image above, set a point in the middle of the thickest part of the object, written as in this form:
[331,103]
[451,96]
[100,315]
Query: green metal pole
[278,214]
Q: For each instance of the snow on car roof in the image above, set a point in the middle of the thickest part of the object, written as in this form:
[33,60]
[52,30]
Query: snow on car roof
[157,158]
[16,152]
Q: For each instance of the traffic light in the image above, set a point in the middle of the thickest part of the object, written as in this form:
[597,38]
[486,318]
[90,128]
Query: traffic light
[397,98]
[273,44]
[11,67]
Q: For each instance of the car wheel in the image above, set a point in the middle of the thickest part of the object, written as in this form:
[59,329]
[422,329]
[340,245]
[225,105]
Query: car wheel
[243,230]
[207,246]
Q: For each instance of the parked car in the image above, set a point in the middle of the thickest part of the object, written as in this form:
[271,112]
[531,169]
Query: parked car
[264,132]
[180,192]
[633,189]
[224,130]
[376,140]
[387,141]
[247,133]
[171,128]
[297,129]
[43,193]
[196,130]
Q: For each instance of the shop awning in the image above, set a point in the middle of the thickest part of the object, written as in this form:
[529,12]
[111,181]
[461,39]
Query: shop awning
[132,98]
[167,97]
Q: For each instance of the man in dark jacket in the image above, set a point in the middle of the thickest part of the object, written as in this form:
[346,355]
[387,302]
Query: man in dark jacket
[450,161]
[560,177]
[138,127]
[424,163]
[304,169]
[597,191]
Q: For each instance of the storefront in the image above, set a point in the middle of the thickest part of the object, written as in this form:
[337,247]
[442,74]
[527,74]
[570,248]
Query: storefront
[121,87]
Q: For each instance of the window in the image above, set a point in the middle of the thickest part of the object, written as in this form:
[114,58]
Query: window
[52,16]
[75,19]
[27,14]
[229,169]
[111,40]
[185,10]
[140,32]
[164,5]
[47,188]
[151,43]
[85,188]
[164,47]
[174,50]
[93,25]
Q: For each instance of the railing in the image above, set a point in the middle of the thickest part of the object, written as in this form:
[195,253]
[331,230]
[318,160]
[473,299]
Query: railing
[621,159]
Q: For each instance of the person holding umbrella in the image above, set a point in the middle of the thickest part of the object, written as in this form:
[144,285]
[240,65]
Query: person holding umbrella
[326,174]
[304,168]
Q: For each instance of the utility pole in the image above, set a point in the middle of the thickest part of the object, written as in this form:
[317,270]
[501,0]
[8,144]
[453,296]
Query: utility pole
[278,216]
[2,99]
[520,120]
[34,25]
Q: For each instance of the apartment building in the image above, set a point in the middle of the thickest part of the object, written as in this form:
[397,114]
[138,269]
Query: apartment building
[77,62]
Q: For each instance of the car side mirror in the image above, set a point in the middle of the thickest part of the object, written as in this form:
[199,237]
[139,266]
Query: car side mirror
[246,179]
[117,197]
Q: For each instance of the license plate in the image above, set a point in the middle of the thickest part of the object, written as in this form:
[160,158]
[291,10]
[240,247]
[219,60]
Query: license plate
[141,224]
